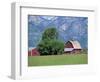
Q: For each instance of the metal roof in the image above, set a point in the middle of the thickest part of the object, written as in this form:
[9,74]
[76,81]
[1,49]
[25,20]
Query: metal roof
[68,49]
[30,48]
[75,44]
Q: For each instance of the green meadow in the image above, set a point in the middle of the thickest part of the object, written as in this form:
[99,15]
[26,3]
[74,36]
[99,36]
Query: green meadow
[65,59]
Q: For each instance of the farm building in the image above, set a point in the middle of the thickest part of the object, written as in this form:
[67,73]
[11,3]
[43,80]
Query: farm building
[72,46]
[33,52]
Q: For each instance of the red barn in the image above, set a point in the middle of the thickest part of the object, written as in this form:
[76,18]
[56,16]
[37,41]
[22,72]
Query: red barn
[33,52]
[72,47]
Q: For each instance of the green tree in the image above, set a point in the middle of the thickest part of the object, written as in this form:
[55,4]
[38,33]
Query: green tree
[50,45]
[50,33]
[57,47]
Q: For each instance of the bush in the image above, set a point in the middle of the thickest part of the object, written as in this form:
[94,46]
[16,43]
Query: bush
[84,51]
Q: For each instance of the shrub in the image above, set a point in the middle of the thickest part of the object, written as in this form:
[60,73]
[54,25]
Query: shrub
[84,51]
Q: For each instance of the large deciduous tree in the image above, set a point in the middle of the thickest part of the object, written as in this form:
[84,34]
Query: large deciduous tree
[49,44]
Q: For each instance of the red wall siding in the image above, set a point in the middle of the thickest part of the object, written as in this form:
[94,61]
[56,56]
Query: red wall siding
[35,52]
[68,45]
[76,51]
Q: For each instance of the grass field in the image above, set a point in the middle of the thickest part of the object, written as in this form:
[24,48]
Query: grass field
[57,60]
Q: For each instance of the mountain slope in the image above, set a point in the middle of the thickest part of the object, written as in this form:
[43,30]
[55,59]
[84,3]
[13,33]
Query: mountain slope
[68,28]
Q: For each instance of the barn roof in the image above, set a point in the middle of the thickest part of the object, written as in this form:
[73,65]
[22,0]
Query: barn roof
[68,49]
[75,44]
[30,48]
